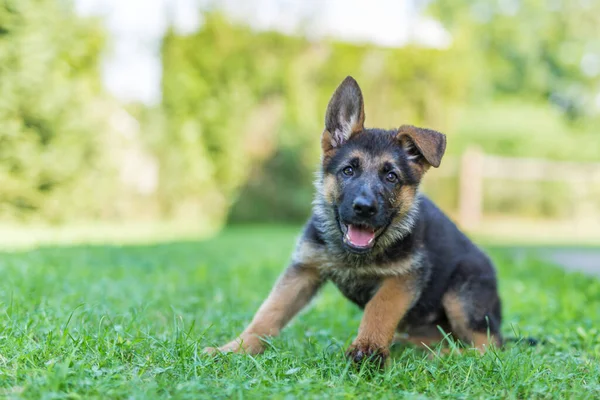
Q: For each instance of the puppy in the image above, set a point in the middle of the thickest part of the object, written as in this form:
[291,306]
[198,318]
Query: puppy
[386,247]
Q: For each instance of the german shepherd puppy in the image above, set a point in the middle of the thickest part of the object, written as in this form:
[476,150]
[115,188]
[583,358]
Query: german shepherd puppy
[387,248]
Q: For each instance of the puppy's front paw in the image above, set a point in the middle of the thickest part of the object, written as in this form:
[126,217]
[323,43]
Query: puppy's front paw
[249,344]
[361,351]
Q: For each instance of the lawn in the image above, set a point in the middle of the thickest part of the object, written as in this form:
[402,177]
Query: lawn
[130,321]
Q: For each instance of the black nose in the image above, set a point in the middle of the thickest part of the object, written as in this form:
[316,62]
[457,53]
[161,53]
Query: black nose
[364,207]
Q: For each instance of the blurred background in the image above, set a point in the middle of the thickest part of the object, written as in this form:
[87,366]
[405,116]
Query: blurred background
[207,113]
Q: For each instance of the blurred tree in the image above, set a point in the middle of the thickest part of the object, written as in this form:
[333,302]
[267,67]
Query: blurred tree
[237,133]
[244,110]
[212,81]
[49,76]
[546,49]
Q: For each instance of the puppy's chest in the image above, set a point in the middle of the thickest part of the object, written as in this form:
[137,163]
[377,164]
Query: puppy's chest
[354,282]
[358,281]
[339,269]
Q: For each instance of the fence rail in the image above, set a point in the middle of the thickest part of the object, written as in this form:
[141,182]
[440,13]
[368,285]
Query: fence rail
[475,166]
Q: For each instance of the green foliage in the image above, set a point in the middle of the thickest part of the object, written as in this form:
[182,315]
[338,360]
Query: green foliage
[246,109]
[49,77]
[280,190]
[244,113]
[237,133]
[517,128]
[522,129]
[131,321]
[212,81]
[537,49]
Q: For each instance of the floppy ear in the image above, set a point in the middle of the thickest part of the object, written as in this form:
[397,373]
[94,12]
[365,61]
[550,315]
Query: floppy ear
[345,115]
[422,144]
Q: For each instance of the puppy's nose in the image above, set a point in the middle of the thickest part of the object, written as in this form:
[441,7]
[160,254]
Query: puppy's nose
[364,207]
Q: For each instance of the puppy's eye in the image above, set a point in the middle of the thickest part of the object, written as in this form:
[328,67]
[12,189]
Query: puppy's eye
[391,177]
[348,171]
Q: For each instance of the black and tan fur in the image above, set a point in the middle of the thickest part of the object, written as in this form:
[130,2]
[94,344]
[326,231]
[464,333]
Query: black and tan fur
[421,273]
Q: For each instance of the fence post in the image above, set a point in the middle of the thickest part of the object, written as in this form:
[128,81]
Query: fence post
[471,188]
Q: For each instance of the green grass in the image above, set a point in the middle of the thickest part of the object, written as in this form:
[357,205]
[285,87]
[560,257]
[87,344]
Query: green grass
[131,321]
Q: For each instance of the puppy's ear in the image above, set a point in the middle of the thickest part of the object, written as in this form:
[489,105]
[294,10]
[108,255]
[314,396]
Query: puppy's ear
[422,145]
[345,115]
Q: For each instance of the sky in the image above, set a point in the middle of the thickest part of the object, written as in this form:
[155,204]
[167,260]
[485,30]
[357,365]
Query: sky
[132,68]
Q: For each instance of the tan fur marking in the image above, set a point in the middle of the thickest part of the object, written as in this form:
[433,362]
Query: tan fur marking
[406,198]
[460,324]
[380,160]
[329,149]
[330,188]
[327,145]
[384,312]
[360,124]
[404,201]
[457,317]
[294,289]
[367,162]
[357,154]
[387,158]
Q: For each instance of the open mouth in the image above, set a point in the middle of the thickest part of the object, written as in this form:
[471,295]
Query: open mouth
[359,238]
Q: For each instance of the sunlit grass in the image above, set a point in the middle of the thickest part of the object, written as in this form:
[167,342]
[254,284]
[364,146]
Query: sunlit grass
[131,321]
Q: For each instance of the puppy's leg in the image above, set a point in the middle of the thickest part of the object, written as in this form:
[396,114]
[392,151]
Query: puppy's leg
[471,324]
[294,289]
[428,338]
[381,318]
[473,307]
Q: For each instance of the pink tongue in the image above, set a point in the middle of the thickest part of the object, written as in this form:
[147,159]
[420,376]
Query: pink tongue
[360,236]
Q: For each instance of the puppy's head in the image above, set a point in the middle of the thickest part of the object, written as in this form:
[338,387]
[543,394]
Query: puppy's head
[371,176]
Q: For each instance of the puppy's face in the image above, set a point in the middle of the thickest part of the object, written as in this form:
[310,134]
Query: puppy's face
[370,183]
[371,176]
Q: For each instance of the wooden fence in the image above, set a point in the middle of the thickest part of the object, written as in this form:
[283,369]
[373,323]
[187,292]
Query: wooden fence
[475,166]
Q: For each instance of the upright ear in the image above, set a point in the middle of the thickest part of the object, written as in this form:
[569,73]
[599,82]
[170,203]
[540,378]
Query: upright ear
[345,115]
[422,145]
